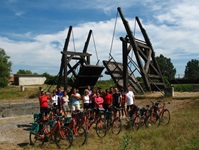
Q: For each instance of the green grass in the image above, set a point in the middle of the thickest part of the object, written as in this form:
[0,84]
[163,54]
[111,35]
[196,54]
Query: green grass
[181,134]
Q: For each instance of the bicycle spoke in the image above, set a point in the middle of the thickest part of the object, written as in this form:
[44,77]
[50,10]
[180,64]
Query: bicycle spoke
[165,118]
[80,136]
[117,126]
[101,127]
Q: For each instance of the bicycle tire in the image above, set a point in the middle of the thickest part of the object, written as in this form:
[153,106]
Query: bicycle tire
[109,121]
[117,126]
[138,122]
[80,137]
[152,121]
[101,128]
[64,137]
[35,139]
[165,117]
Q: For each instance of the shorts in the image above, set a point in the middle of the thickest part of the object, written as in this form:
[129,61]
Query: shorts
[106,106]
[65,108]
[75,107]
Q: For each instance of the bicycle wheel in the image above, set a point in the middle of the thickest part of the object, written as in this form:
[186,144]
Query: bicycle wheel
[165,117]
[117,126]
[80,135]
[109,121]
[152,121]
[36,134]
[35,139]
[138,122]
[101,128]
[64,137]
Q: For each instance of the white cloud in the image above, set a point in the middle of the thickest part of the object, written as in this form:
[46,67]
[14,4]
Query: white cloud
[172,31]
[19,13]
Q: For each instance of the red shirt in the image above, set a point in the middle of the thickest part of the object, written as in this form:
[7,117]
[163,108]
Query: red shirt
[123,98]
[43,101]
[107,98]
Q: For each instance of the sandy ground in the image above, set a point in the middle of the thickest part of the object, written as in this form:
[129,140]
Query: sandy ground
[14,132]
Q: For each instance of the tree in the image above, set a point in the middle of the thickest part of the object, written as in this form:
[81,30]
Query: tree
[192,69]
[21,71]
[5,68]
[50,79]
[166,67]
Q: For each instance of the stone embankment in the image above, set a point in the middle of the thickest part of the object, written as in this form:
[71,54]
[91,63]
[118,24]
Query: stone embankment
[18,109]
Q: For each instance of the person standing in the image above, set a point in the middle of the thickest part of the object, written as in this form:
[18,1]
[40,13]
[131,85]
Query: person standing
[123,100]
[54,102]
[43,101]
[65,106]
[107,100]
[130,99]
[116,102]
[98,101]
[74,98]
[86,100]
[60,94]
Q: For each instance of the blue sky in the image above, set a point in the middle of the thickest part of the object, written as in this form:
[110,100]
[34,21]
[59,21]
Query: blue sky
[33,32]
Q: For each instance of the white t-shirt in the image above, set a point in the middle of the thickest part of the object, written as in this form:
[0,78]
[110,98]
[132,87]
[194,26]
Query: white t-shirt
[55,100]
[65,100]
[129,97]
[86,99]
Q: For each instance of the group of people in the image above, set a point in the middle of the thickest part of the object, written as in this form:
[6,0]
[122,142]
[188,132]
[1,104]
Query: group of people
[57,102]
[109,99]
[61,102]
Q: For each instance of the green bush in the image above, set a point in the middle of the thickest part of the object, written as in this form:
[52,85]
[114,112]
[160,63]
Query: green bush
[183,87]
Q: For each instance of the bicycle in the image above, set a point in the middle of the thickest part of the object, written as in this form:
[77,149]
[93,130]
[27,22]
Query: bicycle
[44,131]
[114,121]
[157,115]
[137,117]
[101,124]
[79,131]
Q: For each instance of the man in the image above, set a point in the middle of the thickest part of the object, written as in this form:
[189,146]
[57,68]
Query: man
[116,101]
[107,100]
[130,99]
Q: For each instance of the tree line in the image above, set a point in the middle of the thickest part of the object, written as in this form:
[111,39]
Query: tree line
[166,67]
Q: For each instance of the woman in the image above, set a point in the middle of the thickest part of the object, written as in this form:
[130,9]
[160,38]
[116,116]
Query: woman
[98,101]
[86,100]
[43,101]
[65,106]
[54,102]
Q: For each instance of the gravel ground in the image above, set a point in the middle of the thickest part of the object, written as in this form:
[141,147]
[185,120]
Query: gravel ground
[14,132]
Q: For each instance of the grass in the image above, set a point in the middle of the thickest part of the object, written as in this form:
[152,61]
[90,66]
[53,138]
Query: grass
[14,93]
[181,134]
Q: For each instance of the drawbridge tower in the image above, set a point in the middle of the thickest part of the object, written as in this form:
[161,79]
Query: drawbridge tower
[75,69]
[145,63]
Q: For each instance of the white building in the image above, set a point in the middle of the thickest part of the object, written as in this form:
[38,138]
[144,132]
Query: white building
[29,79]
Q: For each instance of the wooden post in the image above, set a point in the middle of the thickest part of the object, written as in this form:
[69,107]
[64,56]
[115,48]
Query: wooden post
[125,62]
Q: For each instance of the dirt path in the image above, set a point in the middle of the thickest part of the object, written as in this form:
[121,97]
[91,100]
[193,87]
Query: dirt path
[14,132]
